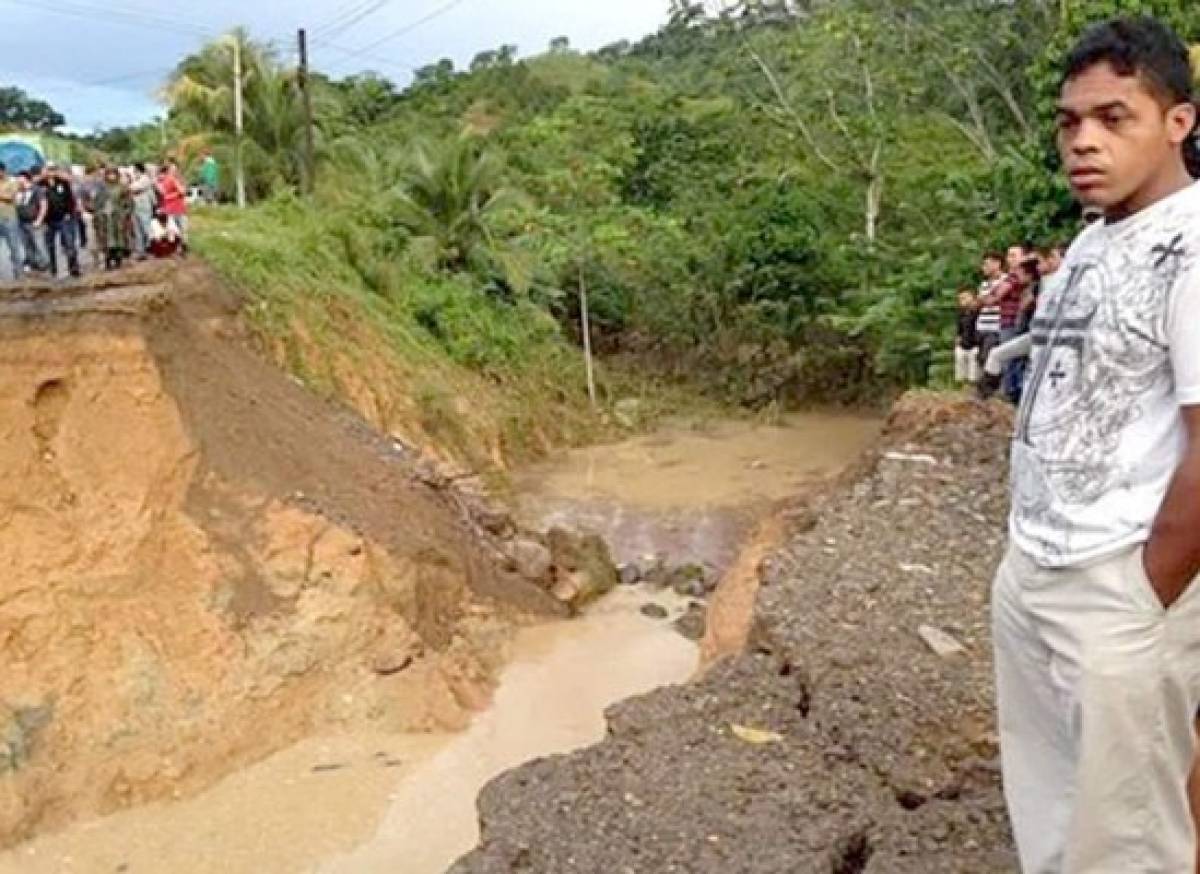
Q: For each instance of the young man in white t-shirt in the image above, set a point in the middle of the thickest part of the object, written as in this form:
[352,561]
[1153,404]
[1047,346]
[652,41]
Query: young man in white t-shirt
[1096,613]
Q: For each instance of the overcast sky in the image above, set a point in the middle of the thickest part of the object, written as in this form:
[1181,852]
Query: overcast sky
[99,62]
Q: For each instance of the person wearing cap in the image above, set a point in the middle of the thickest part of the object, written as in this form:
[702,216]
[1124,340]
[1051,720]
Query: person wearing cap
[62,212]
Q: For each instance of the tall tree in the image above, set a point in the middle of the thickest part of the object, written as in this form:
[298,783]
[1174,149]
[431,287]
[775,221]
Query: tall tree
[21,112]
[200,94]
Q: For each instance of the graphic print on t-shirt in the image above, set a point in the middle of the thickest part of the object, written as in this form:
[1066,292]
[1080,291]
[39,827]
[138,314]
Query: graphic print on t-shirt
[1100,355]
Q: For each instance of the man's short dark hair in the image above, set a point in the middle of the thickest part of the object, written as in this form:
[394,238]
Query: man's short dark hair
[993,256]
[25,174]
[1145,47]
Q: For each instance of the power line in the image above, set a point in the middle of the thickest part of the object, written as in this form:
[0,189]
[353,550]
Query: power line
[127,77]
[350,54]
[409,28]
[64,86]
[340,15]
[363,11]
[118,16]
[347,25]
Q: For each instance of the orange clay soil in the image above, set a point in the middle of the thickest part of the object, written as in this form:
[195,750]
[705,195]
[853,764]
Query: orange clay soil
[204,563]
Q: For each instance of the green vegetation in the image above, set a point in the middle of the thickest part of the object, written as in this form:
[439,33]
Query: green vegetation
[420,353]
[774,203]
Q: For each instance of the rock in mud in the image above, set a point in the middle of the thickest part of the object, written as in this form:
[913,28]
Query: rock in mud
[583,567]
[530,559]
[691,624]
[655,611]
[655,573]
[494,519]
[689,581]
[630,574]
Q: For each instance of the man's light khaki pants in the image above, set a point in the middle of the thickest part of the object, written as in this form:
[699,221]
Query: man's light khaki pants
[1098,687]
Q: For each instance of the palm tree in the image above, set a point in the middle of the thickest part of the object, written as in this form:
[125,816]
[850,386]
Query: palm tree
[200,94]
[453,202]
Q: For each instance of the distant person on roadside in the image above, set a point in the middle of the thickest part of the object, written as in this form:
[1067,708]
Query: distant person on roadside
[987,325]
[1050,260]
[966,343]
[1010,296]
[113,215]
[1014,353]
[164,236]
[85,187]
[10,226]
[210,177]
[1095,608]
[141,189]
[172,195]
[62,220]
[31,215]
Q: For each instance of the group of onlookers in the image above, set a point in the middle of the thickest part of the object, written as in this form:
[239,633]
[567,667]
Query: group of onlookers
[115,213]
[993,343]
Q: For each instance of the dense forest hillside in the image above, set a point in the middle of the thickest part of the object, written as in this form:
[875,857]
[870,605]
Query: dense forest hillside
[776,200]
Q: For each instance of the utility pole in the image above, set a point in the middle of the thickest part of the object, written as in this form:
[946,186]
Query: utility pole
[585,324]
[310,177]
[239,170]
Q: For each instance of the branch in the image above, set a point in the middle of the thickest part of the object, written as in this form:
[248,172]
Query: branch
[979,137]
[851,140]
[790,110]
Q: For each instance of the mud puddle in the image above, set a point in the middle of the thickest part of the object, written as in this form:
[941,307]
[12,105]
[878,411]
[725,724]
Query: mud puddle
[369,803]
[689,493]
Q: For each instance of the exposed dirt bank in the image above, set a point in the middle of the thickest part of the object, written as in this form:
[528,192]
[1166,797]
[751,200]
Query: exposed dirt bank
[839,742]
[374,803]
[205,563]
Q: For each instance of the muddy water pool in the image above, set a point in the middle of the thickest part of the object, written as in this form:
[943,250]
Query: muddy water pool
[689,492]
[367,803]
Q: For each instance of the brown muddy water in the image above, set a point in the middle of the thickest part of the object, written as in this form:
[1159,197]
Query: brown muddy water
[690,492]
[368,803]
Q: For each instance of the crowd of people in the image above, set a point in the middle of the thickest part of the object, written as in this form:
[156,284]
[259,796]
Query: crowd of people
[993,343]
[51,215]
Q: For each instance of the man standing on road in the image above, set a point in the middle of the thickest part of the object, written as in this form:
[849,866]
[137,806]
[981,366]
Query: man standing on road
[62,220]
[31,215]
[1096,617]
[10,228]
[173,197]
[987,326]
[144,197]
[210,177]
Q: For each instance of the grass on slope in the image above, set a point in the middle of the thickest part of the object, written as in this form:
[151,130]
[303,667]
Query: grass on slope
[427,356]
